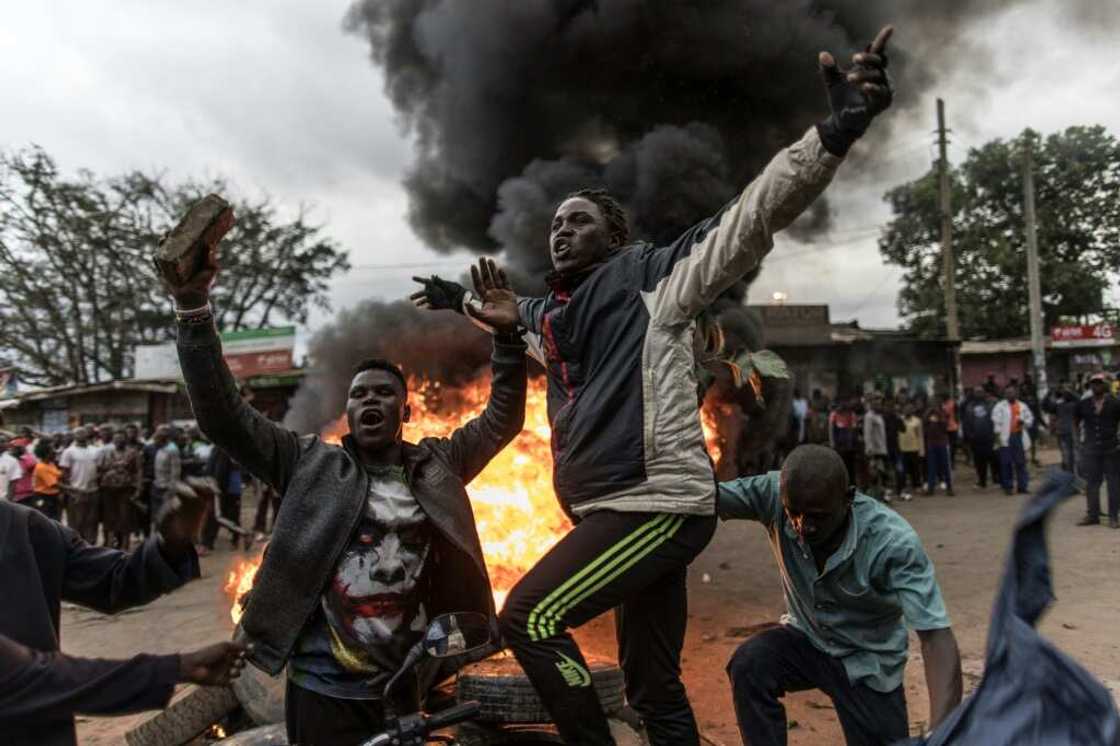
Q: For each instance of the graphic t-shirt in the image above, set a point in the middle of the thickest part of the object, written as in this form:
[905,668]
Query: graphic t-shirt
[372,611]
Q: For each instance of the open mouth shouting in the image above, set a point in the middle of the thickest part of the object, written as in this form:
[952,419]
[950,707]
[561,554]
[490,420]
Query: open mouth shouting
[371,419]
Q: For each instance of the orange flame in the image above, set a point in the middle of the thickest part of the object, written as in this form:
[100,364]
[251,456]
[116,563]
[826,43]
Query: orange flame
[239,581]
[515,508]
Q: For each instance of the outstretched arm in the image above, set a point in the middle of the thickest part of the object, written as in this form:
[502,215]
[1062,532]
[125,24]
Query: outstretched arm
[438,294]
[943,672]
[472,446]
[38,686]
[265,449]
[682,279]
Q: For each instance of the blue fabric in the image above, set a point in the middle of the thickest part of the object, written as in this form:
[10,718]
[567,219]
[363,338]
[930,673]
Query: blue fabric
[233,483]
[1013,465]
[937,462]
[1031,694]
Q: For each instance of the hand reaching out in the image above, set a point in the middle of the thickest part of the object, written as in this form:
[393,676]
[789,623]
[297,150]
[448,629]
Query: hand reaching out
[214,665]
[856,95]
[438,294]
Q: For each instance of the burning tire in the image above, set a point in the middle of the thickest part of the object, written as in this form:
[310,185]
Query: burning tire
[500,685]
[186,717]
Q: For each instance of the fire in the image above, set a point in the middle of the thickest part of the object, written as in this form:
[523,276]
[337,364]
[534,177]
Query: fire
[712,438]
[239,581]
[515,508]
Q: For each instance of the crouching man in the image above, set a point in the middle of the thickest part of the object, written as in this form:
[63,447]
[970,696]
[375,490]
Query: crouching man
[855,577]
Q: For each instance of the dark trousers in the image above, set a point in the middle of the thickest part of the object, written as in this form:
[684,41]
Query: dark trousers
[314,719]
[48,505]
[229,507]
[984,459]
[910,465]
[899,465]
[266,496]
[1098,467]
[938,468]
[1069,452]
[782,660]
[638,563]
[1013,465]
[849,464]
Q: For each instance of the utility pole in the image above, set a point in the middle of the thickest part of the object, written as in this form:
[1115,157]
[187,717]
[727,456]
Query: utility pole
[952,324]
[1034,284]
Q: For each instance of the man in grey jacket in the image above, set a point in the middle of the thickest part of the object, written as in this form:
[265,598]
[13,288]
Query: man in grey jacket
[615,334]
[374,538]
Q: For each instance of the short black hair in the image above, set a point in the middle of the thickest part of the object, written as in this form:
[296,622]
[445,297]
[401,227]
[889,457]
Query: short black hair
[380,363]
[811,468]
[612,211]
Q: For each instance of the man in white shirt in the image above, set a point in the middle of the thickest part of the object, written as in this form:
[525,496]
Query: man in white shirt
[10,470]
[79,463]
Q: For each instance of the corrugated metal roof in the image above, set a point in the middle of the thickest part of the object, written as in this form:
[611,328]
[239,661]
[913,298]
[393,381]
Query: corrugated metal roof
[160,387]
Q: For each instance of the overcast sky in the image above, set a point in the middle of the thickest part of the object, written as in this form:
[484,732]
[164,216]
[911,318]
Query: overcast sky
[274,95]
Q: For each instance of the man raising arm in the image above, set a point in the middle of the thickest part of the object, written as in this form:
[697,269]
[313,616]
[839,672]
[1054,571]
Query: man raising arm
[374,538]
[615,333]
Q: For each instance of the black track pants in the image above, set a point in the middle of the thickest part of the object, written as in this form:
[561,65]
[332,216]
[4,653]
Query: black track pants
[634,561]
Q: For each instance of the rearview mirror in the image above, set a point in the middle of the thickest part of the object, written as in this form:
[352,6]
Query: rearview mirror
[454,634]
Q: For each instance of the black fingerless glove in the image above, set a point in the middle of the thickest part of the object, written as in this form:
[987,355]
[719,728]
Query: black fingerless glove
[444,294]
[852,110]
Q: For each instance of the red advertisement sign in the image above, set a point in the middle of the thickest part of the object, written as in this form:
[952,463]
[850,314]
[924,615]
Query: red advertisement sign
[259,363]
[1084,335]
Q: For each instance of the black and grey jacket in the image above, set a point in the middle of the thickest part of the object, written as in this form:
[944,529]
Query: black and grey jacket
[324,488]
[617,344]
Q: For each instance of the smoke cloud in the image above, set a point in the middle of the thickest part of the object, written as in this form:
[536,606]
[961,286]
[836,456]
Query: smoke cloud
[672,105]
[441,346]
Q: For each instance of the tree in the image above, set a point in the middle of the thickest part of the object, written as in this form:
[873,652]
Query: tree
[77,288]
[1077,182]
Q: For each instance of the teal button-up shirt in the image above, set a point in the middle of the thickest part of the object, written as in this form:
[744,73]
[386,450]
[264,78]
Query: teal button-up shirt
[876,584]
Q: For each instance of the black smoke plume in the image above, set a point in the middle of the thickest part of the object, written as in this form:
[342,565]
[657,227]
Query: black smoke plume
[440,346]
[671,104]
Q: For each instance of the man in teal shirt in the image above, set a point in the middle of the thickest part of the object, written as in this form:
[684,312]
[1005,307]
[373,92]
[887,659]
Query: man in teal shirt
[855,577]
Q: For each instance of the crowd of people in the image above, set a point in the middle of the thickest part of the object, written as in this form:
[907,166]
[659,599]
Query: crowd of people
[111,480]
[896,445]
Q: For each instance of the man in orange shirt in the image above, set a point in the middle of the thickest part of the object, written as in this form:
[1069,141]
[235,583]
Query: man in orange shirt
[45,480]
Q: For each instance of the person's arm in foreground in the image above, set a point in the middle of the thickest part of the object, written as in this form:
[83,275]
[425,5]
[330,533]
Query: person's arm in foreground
[943,672]
[471,447]
[260,445]
[41,686]
[110,580]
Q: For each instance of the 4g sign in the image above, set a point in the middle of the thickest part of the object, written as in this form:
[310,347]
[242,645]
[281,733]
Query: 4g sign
[1084,335]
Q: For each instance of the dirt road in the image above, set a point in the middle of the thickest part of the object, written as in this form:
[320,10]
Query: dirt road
[966,536]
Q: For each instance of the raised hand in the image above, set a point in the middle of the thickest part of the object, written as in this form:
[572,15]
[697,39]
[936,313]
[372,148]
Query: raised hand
[856,95]
[214,665]
[181,518]
[438,294]
[499,303]
[194,291]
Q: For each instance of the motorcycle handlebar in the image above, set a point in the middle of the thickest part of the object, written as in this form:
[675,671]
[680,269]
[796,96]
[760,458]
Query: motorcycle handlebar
[453,715]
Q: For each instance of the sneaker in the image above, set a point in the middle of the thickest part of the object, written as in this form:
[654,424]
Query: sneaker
[949,492]
[906,497]
[887,498]
[1113,523]
[1089,521]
